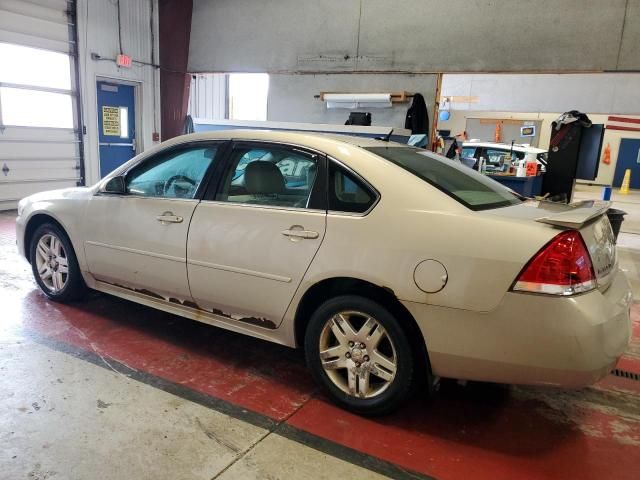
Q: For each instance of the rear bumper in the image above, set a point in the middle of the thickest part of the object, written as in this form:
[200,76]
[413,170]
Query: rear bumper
[531,339]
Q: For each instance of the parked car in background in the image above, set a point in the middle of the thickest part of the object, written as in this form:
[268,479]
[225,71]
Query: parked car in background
[390,265]
[495,154]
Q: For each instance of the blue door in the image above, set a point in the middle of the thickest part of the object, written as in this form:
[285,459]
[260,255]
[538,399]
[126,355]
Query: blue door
[628,157]
[116,124]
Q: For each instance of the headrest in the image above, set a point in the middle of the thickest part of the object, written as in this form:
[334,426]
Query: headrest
[262,177]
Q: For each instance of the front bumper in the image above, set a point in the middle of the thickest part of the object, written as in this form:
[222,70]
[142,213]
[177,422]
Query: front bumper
[530,339]
[20,228]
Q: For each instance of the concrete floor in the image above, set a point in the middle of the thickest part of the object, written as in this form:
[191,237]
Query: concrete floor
[109,389]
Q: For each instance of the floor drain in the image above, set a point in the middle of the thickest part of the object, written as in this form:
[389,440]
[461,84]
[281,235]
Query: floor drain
[624,374]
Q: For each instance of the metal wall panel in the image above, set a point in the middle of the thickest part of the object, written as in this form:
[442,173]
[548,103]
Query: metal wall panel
[288,36]
[34,159]
[208,96]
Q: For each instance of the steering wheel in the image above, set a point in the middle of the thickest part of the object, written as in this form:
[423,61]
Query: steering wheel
[169,183]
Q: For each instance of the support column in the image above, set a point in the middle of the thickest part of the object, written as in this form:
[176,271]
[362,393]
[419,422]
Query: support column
[175,33]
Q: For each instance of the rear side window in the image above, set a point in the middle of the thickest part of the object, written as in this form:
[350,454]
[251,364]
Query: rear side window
[269,175]
[347,193]
[467,186]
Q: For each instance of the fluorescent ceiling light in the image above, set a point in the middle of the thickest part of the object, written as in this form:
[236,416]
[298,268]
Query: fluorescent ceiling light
[357,100]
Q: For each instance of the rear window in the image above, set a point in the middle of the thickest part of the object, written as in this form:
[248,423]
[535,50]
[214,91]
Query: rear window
[467,186]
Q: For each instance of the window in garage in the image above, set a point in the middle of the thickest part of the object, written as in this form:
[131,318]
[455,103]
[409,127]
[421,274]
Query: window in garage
[248,96]
[36,90]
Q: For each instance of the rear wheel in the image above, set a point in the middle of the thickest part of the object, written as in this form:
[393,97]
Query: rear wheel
[358,352]
[54,264]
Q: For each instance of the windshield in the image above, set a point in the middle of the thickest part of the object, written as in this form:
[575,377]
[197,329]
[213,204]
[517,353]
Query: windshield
[470,188]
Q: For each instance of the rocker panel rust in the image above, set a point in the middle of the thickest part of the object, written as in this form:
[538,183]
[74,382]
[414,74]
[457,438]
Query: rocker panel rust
[257,321]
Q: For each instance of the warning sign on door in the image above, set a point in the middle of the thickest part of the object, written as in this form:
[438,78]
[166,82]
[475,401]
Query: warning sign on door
[110,121]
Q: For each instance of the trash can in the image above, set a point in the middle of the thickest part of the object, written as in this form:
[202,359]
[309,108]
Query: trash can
[616,217]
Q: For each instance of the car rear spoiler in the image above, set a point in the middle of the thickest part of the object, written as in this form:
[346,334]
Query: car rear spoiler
[574,215]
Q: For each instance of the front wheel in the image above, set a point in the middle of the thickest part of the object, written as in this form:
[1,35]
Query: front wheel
[358,352]
[54,264]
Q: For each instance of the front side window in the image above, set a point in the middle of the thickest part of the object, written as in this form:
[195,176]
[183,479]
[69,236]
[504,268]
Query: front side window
[347,193]
[467,186]
[269,175]
[173,174]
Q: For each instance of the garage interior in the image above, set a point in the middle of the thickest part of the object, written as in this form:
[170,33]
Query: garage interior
[110,389]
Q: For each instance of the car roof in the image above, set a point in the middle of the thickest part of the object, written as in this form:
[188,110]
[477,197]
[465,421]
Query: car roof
[342,147]
[504,146]
[309,139]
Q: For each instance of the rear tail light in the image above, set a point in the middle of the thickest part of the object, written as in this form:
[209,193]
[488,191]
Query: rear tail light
[562,267]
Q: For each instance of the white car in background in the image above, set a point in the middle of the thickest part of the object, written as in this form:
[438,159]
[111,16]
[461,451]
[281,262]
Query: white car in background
[495,154]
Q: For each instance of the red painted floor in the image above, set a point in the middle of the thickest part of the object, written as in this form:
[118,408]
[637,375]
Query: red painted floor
[474,432]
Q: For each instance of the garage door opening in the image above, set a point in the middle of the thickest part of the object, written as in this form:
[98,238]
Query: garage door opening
[248,96]
[232,96]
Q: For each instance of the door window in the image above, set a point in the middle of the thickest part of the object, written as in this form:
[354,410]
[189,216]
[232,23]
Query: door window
[269,175]
[174,174]
[468,152]
[347,193]
[496,157]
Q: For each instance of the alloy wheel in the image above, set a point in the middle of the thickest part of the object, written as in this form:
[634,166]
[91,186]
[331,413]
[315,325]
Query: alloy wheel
[357,354]
[52,262]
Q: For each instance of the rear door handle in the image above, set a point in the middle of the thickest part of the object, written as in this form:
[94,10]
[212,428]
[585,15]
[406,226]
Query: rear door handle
[168,217]
[306,234]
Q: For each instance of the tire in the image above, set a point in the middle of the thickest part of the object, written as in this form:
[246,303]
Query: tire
[49,250]
[355,372]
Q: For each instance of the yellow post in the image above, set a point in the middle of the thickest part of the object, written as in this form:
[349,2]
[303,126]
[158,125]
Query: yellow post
[624,188]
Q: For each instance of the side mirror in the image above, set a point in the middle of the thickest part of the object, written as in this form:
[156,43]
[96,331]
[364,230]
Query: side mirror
[115,185]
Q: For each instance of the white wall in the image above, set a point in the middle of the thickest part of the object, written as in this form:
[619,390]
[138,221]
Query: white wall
[592,93]
[291,97]
[458,119]
[98,32]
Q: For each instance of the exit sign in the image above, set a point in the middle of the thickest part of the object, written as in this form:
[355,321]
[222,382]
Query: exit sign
[123,60]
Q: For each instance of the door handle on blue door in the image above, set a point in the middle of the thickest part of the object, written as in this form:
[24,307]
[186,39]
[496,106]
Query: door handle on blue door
[298,232]
[169,217]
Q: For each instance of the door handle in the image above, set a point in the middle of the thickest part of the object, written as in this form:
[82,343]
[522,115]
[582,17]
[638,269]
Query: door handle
[169,217]
[306,234]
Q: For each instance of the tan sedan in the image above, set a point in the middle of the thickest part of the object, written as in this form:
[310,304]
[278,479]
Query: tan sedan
[390,265]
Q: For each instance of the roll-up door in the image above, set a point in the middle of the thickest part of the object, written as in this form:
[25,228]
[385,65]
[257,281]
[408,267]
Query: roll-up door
[40,139]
